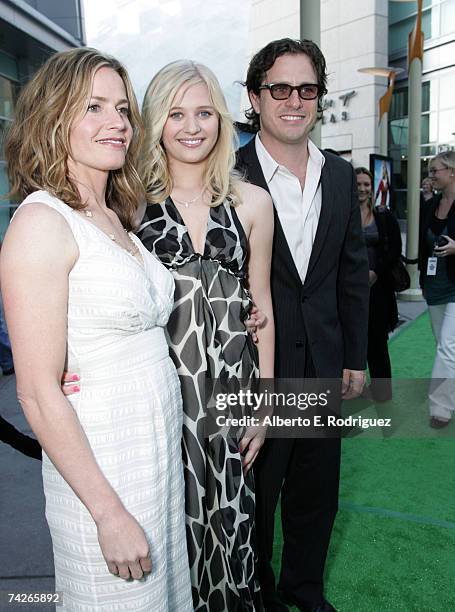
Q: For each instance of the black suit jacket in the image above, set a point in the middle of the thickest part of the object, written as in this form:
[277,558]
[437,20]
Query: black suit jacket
[327,315]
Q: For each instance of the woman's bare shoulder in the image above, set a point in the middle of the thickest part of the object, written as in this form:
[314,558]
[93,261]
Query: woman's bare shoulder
[38,211]
[253,195]
[38,230]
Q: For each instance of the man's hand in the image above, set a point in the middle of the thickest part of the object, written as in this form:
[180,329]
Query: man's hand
[353,383]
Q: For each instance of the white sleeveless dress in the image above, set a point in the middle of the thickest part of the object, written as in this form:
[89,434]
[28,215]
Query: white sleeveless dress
[130,409]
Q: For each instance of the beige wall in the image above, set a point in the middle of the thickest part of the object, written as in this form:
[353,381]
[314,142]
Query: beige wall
[354,35]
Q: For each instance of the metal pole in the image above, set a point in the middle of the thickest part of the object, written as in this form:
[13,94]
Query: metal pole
[413,196]
[415,59]
[310,28]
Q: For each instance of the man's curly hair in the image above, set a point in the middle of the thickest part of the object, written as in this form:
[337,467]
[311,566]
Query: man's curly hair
[266,57]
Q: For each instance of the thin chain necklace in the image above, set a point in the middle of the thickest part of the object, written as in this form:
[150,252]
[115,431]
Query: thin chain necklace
[186,203]
[134,249]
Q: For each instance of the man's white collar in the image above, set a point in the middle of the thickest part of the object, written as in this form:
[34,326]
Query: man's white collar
[270,166]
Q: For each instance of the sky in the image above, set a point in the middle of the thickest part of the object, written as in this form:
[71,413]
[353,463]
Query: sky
[147,34]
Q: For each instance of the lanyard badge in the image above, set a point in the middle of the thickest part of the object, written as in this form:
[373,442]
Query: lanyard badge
[432,266]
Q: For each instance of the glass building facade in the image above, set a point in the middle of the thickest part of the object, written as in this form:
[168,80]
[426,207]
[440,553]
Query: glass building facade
[9,87]
[30,32]
[438,86]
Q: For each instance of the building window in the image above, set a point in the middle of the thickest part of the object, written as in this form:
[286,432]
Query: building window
[8,95]
[402,18]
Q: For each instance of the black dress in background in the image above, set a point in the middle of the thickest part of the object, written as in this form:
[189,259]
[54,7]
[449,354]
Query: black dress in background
[384,251]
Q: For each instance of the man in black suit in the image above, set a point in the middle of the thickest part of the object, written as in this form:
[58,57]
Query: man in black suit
[320,297]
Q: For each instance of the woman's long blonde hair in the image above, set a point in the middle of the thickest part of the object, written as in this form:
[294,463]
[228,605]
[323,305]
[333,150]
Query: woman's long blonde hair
[219,176]
[37,146]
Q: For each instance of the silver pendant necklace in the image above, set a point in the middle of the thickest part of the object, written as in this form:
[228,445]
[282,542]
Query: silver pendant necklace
[186,203]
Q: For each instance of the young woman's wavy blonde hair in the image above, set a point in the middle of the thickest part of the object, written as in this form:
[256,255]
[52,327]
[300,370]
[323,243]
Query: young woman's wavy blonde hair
[219,176]
[37,146]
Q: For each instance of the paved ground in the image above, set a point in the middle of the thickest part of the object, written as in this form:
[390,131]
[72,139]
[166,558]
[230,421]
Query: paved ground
[408,311]
[25,546]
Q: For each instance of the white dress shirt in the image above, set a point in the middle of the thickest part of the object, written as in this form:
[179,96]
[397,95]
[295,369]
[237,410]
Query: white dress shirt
[298,211]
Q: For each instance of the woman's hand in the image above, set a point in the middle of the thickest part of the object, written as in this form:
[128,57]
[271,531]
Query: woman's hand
[447,249]
[372,278]
[256,319]
[124,545]
[250,445]
[69,384]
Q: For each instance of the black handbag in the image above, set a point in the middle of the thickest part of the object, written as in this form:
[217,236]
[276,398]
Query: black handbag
[401,280]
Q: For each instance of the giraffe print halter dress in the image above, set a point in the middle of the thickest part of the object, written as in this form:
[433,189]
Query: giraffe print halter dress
[207,339]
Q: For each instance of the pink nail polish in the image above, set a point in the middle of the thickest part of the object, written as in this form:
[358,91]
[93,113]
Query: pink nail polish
[76,389]
[75,377]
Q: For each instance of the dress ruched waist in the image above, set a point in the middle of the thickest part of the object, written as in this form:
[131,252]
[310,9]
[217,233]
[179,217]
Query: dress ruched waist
[144,349]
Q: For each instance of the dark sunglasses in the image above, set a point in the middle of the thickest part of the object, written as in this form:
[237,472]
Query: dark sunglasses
[283,91]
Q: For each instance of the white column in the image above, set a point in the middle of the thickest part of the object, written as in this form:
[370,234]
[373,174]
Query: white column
[413,196]
[310,28]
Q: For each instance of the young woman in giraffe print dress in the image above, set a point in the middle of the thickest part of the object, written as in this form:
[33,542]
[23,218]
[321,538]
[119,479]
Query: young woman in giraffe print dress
[214,233]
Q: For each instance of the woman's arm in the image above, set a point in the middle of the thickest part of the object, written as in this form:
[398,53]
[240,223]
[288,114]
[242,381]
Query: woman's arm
[256,214]
[260,242]
[38,254]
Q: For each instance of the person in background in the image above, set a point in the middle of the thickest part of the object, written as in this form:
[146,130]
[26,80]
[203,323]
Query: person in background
[437,279]
[427,191]
[383,241]
[80,289]
[214,232]
[6,356]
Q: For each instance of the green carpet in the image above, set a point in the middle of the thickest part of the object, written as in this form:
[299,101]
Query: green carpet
[393,544]
[412,350]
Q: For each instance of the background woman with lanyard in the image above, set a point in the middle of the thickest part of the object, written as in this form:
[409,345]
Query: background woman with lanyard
[437,278]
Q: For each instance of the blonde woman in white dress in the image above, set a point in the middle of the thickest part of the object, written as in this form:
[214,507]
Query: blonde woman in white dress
[81,292]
